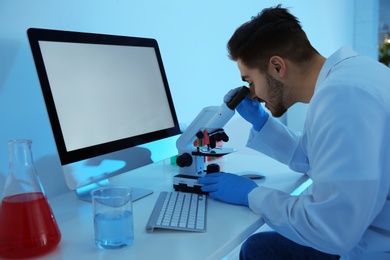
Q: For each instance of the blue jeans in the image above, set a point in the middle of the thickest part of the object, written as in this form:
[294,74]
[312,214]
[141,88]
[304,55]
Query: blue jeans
[271,245]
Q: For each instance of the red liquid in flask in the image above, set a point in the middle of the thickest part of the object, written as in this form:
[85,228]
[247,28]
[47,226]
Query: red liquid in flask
[27,226]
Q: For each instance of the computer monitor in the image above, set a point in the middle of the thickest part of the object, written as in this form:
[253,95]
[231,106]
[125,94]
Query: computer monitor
[103,94]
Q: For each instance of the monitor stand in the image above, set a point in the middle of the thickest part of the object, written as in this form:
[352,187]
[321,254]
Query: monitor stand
[84,193]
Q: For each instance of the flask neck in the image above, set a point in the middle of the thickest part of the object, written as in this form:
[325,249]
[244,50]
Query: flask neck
[22,177]
[19,152]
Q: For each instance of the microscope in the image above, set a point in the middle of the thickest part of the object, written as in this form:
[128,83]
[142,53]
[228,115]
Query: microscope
[190,158]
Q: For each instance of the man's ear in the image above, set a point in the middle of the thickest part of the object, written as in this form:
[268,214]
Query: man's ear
[277,67]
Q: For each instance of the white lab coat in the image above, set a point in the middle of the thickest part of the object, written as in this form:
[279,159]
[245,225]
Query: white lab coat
[345,150]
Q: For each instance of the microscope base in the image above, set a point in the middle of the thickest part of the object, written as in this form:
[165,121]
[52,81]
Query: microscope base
[187,183]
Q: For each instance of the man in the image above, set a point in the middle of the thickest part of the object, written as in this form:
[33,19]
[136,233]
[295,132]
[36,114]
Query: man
[344,147]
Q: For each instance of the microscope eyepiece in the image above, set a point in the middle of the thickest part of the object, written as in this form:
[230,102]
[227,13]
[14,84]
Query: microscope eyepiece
[236,100]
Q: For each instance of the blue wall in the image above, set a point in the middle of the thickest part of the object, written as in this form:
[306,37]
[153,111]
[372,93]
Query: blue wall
[192,37]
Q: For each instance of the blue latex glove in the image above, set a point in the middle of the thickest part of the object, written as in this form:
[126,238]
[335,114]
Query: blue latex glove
[228,187]
[250,110]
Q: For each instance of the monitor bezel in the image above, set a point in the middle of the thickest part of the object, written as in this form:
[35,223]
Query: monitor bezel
[35,35]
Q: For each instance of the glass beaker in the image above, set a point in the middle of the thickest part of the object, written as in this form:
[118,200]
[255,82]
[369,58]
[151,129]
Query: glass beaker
[27,224]
[113,217]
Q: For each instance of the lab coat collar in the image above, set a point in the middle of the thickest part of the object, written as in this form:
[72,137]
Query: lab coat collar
[340,55]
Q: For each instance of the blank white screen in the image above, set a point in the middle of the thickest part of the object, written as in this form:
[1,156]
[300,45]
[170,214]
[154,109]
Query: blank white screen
[104,93]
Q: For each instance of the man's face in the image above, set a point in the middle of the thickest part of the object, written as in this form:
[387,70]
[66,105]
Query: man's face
[265,89]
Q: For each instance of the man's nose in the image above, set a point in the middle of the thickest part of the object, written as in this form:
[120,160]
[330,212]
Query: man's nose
[252,94]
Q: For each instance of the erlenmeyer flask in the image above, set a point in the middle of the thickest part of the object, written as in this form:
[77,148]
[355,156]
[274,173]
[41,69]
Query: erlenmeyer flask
[27,225]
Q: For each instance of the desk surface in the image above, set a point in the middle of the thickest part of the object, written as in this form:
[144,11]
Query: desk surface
[227,225]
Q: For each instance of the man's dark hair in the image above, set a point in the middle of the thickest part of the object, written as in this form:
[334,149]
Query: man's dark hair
[274,31]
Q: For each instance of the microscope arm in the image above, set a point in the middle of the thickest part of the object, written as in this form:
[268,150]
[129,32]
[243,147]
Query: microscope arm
[210,119]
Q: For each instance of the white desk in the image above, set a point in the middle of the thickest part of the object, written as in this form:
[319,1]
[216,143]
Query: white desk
[227,225]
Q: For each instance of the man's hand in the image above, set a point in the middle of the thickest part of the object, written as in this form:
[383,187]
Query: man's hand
[228,187]
[250,110]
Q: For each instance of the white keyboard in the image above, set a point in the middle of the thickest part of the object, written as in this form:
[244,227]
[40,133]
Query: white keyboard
[179,211]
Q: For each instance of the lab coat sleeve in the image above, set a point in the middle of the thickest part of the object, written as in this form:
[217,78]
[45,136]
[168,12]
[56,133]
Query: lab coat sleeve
[280,143]
[347,144]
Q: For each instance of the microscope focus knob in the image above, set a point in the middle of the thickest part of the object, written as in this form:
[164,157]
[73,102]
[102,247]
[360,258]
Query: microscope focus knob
[212,168]
[184,160]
